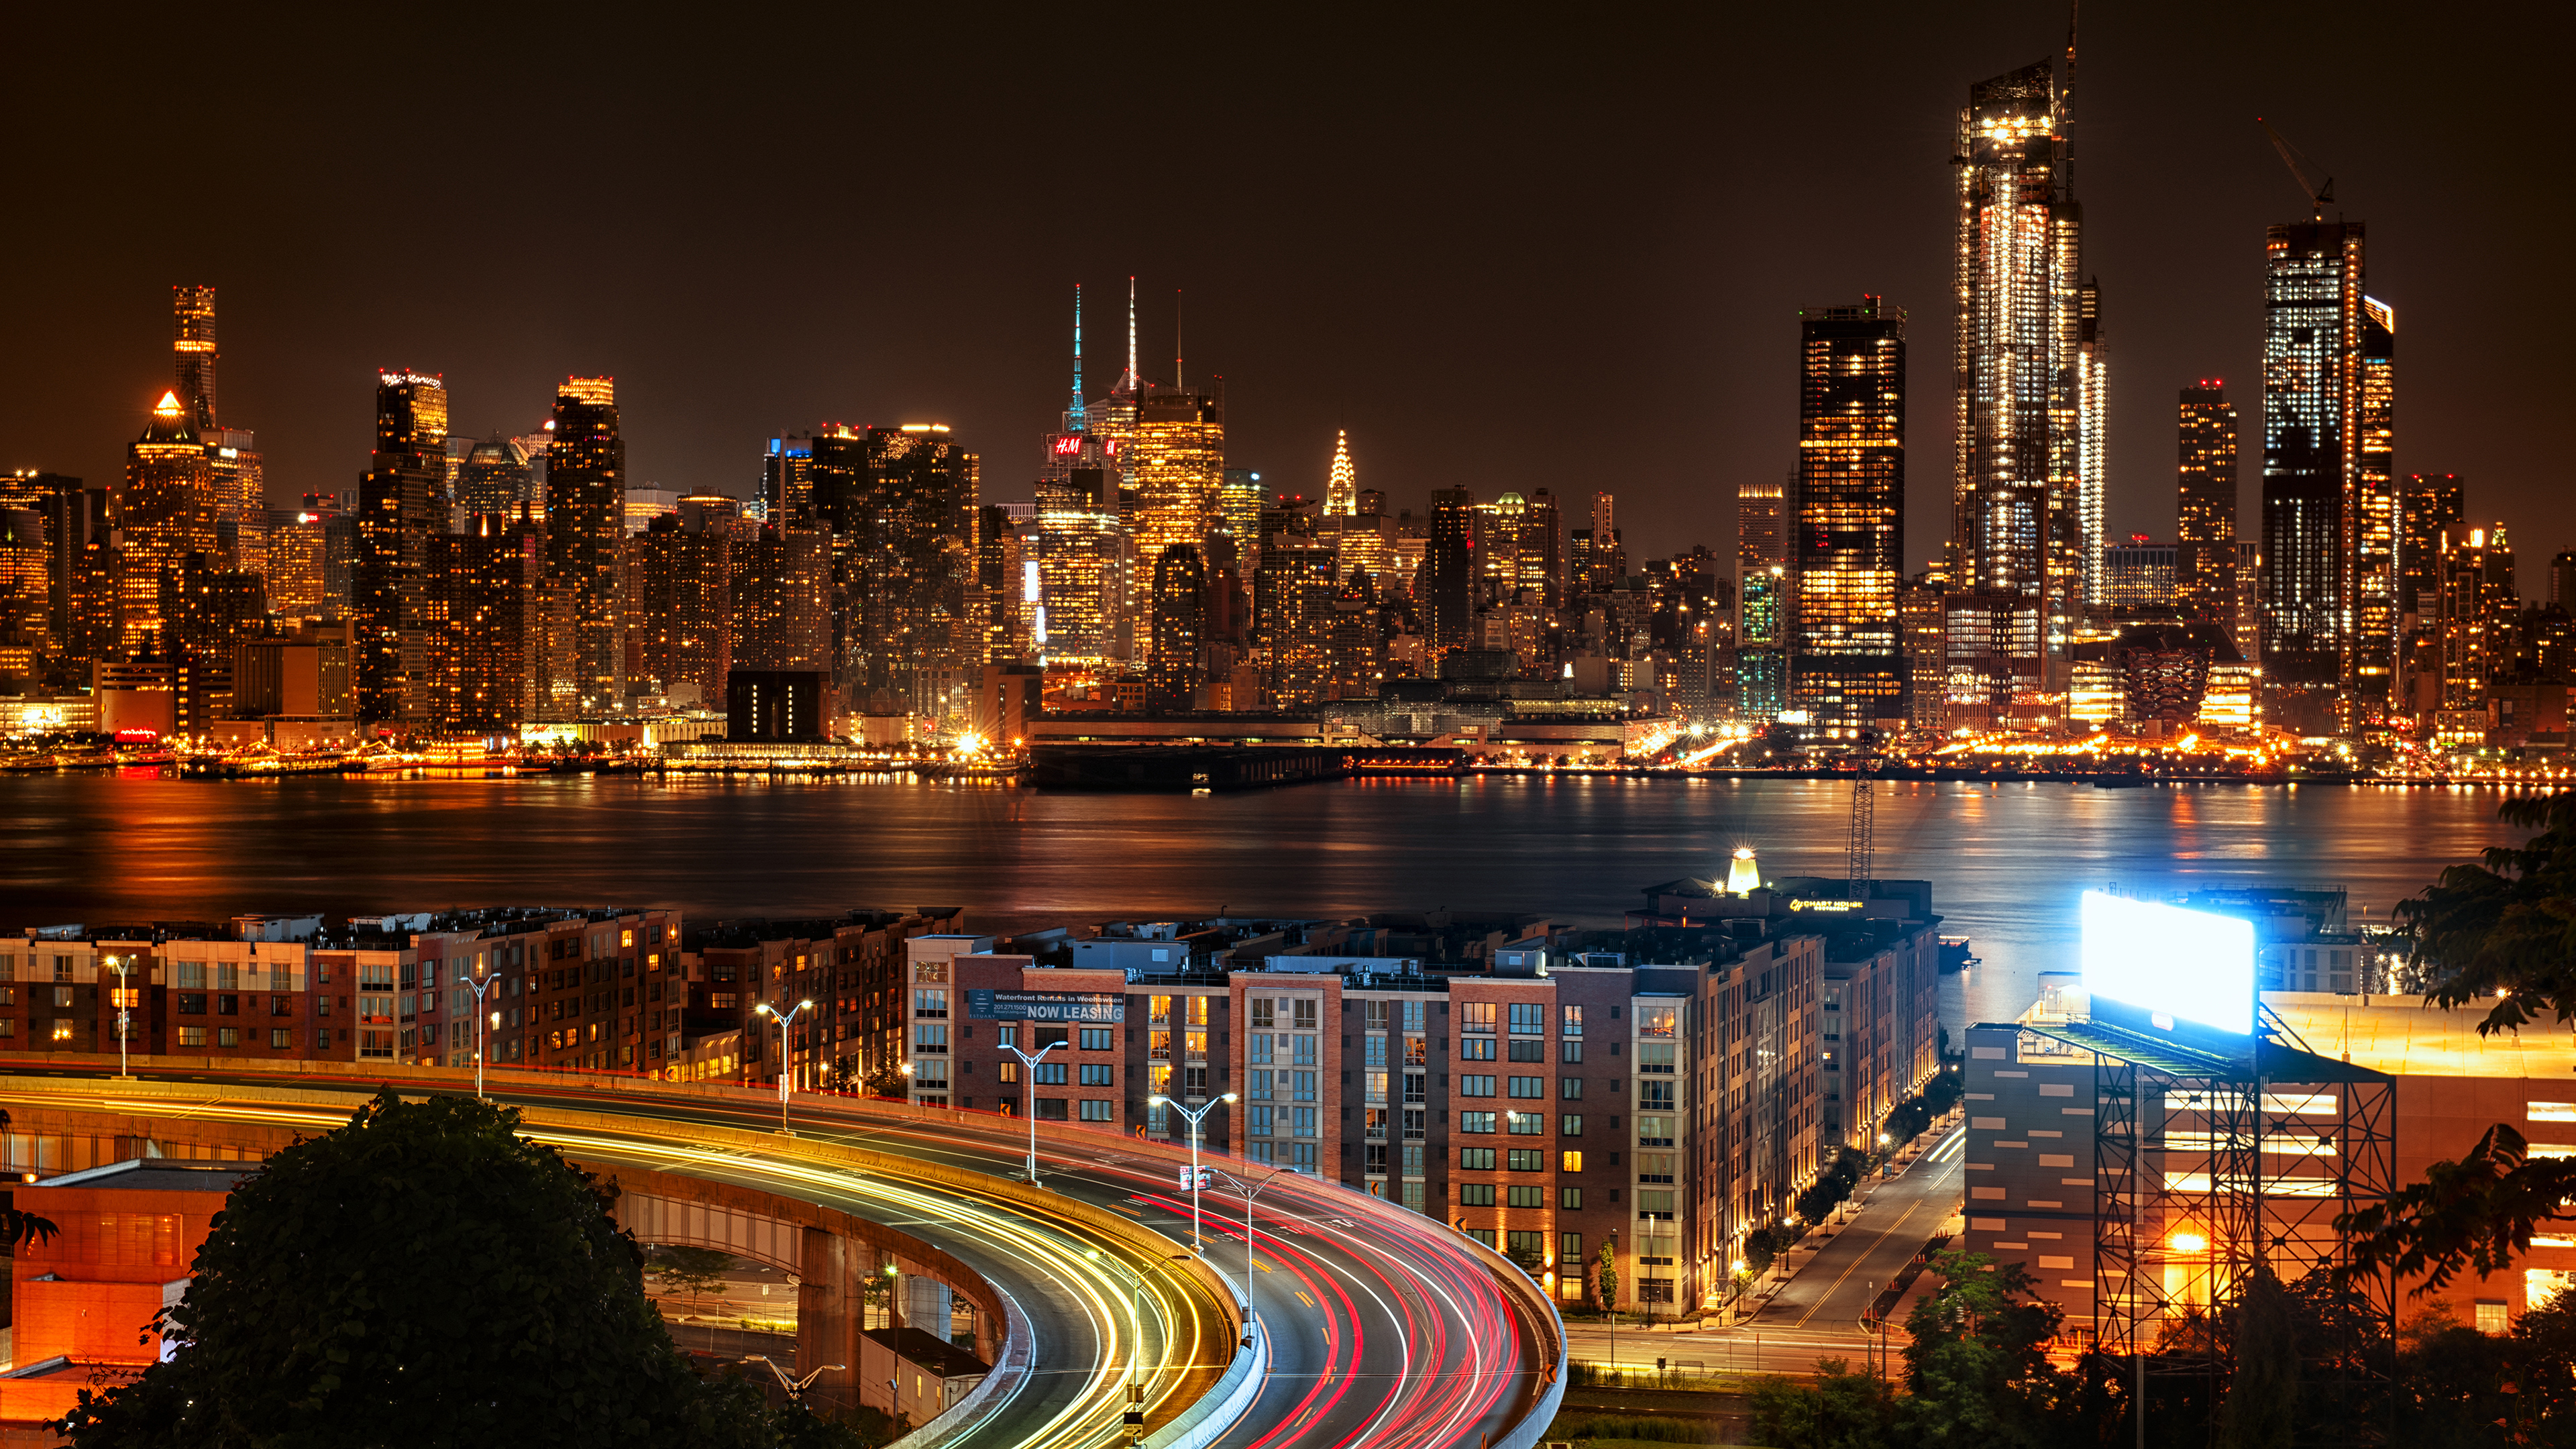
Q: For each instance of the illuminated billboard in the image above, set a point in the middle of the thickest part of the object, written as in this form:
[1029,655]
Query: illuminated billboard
[2176,964]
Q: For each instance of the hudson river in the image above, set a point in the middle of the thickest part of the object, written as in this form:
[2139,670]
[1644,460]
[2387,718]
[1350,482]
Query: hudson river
[2006,861]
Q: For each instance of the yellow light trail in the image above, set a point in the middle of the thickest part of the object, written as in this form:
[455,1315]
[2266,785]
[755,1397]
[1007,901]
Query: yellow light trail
[1088,1270]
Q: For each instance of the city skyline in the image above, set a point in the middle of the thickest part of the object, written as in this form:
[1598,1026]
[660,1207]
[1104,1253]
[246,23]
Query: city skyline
[973,337]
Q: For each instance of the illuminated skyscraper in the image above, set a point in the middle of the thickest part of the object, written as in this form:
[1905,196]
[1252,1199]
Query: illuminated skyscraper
[787,482]
[165,512]
[903,540]
[1239,499]
[586,534]
[394,523]
[2026,470]
[1177,459]
[1761,597]
[679,591]
[2329,490]
[780,608]
[2432,505]
[1342,489]
[483,627]
[1846,658]
[2475,604]
[1080,568]
[1293,609]
[2205,504]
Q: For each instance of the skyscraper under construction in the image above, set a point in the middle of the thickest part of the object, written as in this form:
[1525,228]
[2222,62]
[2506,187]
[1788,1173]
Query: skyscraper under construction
[2027,468]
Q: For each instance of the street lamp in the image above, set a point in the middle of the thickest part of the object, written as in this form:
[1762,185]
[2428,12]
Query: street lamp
[1251,1316]
[1617,1283]
[786,1055]
[1195,1118]
[1029,1066]
[124,1014]
[484,983]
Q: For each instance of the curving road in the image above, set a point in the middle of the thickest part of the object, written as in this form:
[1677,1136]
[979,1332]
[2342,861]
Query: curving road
[1387,1331]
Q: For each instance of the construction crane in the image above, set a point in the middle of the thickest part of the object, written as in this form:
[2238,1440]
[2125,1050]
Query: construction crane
[1864,813]
[2318,192]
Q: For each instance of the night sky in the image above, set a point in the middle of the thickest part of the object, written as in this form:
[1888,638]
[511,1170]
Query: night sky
[1504,251]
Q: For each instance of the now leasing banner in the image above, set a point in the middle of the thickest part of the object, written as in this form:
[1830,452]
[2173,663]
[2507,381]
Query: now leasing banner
[1092,1006]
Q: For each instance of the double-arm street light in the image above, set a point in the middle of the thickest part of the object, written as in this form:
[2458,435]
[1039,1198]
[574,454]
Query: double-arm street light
[1251,1316]
[1029,1066]
[1194,1119]
[480,983]
[786,1054]
[796,1387]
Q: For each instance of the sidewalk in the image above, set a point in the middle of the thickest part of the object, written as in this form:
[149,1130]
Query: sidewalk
[1827,1280]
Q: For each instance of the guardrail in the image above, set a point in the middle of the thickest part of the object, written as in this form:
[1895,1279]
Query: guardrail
[1516,1281]
[969,1415]
[1217,1410]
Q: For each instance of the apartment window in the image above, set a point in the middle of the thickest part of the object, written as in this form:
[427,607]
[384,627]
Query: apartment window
[1198,1009]
[1417,1051]
[1373,1052]
[62,1031]
[1304,1085]
[1260,1085]
[1475,1194]
[191,973]
[1260,1046]
[1099,1111]
[1654,1131]
[1654,1167]
[1264,1012]
[1052,1109]
[62,998]
[1570,1161]
[1376,1165]
[1478,1016]
[1529,1050]
[192,1036]
[1257,1121]
[1525,1197]
[1375,1086]
[1570,1088]
[1654,1096]
[1414,1013]
[1526,1124]
[190,1004]
[1097,1039]
[1655,1056]
[1261,1152]
[1655,1203]
[2492,1317]
[1570,1125]
[280,1038]
[1570,1052]
[1193,1081]
[1099,1074]
[1007,1071]
[1528,1018]
[228,1036]
[1475,1086]
[1415,1124]
[8,1026]
[1531,1087]
[1473,1122]
[1048,1074]
[1476,1159]
[1194,1043]
[1527,1159]
[1308,1014]
[932,1036]
[62,968]
[1373,1015]
[1305,1050]
[1301,1156]
[1476,1049]
[1305,1121]
[930,1001]
[1415,1086]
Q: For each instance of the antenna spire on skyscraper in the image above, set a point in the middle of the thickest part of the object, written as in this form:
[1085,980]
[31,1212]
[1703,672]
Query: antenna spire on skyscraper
[1073,415]
[1176,337]
[1133,381]
[1342,491]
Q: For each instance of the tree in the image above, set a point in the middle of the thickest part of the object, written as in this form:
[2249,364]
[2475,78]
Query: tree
[2507,930]
[1841,1410]
[420,1276]
[1977,1367]
[1605,1277]
[694,1271]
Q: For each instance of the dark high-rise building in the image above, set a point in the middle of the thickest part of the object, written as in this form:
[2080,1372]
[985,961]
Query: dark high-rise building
[394,522]
[1762,594]
[2205,505]
[1448,569]
[2329,500]
[494,477]
[900,502]
[2430,505]
[1180,627]
[586,533]
[483,627]
[193,348]
[165,512]
[68,514]
[1846,658]
[2028,413]
[787,482]
[679,596]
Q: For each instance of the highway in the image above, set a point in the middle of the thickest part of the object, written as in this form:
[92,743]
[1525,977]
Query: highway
[1388,1331]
